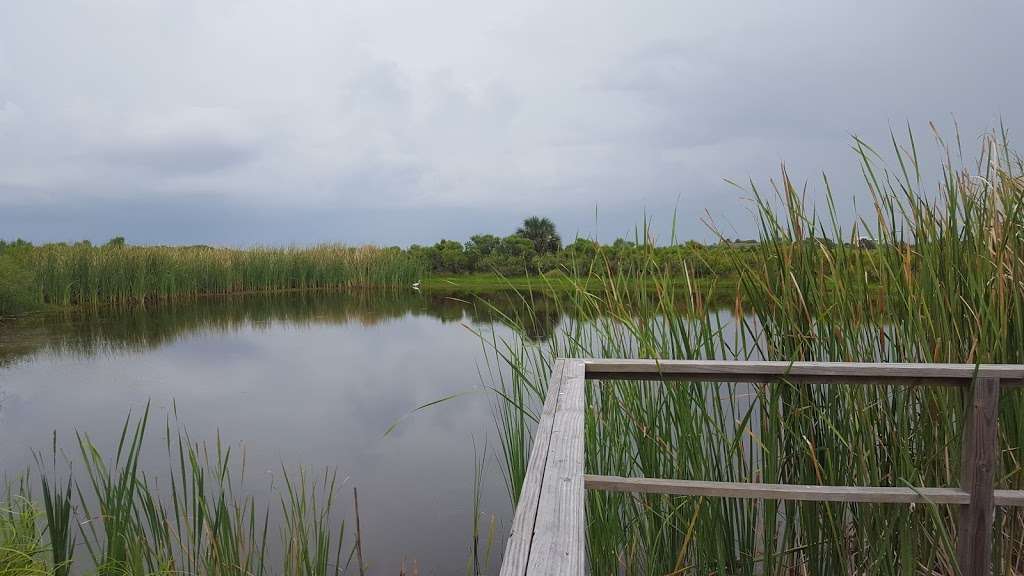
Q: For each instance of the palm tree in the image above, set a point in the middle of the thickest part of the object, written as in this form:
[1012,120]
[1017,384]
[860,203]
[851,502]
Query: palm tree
[541,231]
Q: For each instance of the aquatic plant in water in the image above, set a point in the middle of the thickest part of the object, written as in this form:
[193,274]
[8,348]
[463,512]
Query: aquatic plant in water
[114,518]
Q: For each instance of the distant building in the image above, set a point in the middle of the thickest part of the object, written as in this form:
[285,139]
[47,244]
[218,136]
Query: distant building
[740,242]
[865,242]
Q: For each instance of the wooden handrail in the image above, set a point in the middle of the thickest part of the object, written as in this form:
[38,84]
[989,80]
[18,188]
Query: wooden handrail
[548,529]
[801,492]
[813,372]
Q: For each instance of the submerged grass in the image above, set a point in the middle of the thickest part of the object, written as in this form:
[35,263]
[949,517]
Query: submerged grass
[944,283]
[117,520]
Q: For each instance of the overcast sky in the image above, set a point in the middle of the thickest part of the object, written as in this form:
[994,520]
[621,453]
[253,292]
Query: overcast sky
[268,122]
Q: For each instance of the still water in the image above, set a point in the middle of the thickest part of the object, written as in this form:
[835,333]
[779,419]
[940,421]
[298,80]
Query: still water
[311,380]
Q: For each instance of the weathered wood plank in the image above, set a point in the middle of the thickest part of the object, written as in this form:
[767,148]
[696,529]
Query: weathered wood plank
[1008,497]
[977,477]
[818,372]
[811,493]
[894,495]
[559,537]
[517,548]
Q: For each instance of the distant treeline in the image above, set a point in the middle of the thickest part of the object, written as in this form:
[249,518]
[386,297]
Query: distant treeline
[34,276]
[536,248]
[69,274]
[516,256]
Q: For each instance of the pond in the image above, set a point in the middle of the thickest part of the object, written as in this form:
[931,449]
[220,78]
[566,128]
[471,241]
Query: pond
[302,379]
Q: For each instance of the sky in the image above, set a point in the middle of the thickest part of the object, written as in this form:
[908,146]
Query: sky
[244,122]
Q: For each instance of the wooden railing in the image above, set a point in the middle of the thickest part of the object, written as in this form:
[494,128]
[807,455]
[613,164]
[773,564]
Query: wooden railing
[549,527]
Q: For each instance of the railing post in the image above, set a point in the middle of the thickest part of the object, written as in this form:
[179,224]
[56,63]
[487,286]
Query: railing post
[977,478]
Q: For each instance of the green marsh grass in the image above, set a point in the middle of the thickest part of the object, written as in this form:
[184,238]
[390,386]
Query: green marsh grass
[77,274]
[22,549]
[944,282]
[114,519]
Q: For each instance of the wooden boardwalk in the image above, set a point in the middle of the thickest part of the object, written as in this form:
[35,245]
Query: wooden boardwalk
[549,527]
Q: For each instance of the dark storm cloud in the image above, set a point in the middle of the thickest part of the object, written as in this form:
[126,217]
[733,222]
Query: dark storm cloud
[321,121]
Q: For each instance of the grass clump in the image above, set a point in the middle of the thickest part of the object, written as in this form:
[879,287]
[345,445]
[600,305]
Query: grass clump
[21,545]
[927,277]
[118,520]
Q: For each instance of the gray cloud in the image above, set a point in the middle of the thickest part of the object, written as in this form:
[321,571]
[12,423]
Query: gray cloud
[194,155]
[213,219]
[200,122]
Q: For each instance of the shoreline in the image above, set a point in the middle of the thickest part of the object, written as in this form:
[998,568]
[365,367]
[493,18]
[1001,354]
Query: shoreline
[468,284]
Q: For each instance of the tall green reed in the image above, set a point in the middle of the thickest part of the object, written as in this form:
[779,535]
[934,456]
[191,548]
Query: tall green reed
[21,544]
[118,274]
[198,521]
[925,277]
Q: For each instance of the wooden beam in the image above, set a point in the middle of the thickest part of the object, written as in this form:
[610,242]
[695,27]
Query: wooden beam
[893,495]
[977,477]
[517,548]
[1008,497]
[809,493]
[559,536]
[815,372]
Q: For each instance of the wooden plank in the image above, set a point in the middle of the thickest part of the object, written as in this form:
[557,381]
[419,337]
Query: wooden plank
[1008,497]
[809,493]
[559,536]
[517,548]
[768,378]
[977,477]
[819,372]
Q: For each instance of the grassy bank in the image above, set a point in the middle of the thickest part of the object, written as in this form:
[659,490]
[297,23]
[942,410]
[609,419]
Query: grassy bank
[62,275]
[34,277]
[560,282]
[946,284]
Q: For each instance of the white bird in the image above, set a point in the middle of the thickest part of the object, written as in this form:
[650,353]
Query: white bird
[416,285]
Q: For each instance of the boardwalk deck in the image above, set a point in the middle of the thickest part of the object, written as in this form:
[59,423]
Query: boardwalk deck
[549,526]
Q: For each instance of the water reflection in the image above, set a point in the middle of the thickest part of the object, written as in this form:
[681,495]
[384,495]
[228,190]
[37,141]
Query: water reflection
[309,379]
[296,379]
[91,331]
